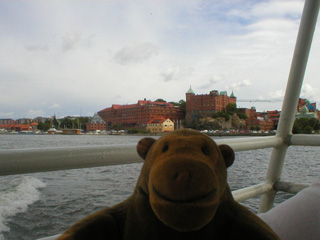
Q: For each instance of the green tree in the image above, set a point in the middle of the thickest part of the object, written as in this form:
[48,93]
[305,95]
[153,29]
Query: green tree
[305,125]
[195,124]
[242,116]
[297,129]
[133,130]
[314,123]
[160,100]
[56,123]
[82,121]
[44,126]
[67,123]
[117,126]
[210,125]
[231,108]
[225,115]
[182,105]
[308,130]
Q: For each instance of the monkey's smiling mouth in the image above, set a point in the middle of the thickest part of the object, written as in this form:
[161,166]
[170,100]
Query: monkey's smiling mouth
[189,200]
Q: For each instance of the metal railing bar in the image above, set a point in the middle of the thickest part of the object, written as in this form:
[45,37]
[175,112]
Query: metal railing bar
[293,89]
[53,159]
[305,140]
[50,238]
[252,143]
[251,192]
[289,187]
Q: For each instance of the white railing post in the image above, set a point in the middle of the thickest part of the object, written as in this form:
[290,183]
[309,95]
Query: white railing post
[54,159]
[297,71]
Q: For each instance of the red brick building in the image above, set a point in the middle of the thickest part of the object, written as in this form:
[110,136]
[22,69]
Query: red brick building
[252,119]
[265,124]
[96,123]
[206,104]
[274,116]
[250,112]
[24,121]
[257,119]
[19,127]
[7,121]
[139,114]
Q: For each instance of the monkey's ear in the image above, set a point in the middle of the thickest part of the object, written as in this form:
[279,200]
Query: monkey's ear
[144,146]
[227,153]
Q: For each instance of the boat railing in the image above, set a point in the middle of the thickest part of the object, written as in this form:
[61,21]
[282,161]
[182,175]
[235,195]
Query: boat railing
[29,161]
[54,159]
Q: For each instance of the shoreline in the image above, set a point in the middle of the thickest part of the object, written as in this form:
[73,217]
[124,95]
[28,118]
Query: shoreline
[143,134]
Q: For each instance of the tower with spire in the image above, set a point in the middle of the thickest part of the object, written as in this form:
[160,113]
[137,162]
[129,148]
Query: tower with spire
[204,105]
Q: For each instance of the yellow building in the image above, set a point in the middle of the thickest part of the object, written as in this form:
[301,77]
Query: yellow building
[71,131]
[160,125]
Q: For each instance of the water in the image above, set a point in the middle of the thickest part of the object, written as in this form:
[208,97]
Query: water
[43,204]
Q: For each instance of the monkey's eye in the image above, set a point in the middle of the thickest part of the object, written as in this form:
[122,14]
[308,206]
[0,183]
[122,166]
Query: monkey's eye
[205,151]
[165,148]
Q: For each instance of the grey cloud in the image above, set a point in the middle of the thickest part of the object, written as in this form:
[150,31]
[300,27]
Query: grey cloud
[36,47]
[209,84]
[34,113]
[70,40]
[7,114]
[169,75]
[176,73]
[136,53]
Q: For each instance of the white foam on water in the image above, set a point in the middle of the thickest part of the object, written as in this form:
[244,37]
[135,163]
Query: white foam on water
[20,193]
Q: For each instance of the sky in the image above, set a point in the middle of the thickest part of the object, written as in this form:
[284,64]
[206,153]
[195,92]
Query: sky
[78,57]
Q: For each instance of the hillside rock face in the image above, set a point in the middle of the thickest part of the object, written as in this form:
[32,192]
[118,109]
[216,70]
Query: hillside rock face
[220,123]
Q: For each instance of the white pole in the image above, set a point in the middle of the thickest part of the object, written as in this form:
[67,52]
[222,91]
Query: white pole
[297,71]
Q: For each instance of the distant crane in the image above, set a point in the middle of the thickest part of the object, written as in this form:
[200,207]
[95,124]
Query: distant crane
[252,100]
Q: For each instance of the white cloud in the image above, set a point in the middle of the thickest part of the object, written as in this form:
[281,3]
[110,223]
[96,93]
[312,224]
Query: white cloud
[267,9]
[276,95]
[176,73]
[278,9]
[56,105]
[34,113]
[136,53]
[310,93]
[137,49]
[241,84]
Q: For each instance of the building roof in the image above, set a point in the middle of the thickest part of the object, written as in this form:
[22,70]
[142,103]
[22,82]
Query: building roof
[190,90]
[139,103]
[150,103]
[232,95]
[116,106]
[157,120]
[96,119]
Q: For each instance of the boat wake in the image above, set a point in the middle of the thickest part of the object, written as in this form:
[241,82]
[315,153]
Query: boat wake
[15,198]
